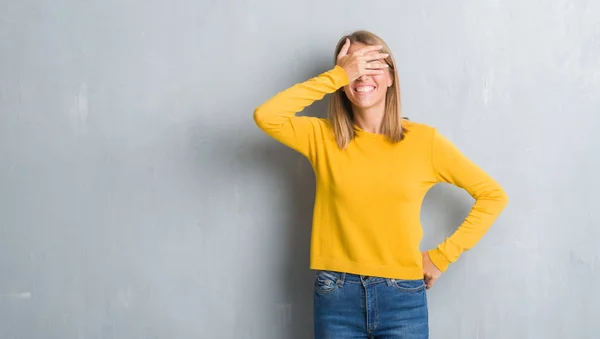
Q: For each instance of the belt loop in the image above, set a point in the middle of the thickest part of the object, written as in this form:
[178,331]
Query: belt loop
[390,281]
[341,280]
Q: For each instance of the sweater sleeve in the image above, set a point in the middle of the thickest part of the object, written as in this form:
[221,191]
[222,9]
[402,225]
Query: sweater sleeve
[451,166]
[277,116]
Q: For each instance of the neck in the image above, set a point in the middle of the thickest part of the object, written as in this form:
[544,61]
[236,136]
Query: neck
[369,119]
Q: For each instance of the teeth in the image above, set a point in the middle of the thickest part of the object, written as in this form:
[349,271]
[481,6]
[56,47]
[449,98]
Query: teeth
[365,89]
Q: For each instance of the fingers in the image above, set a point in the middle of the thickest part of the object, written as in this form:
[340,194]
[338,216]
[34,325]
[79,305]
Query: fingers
[368,49]
[430,273]
[372,72]
[373,68]
[374,56]
[370,62]
[380,69]
[344,49]
[376,65]
[429,281]
[365,61]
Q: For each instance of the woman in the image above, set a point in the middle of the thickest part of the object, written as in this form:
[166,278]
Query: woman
[373,169]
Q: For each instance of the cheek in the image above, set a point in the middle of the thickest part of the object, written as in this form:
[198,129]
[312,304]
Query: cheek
[382,84]
[347,90]
[383,80]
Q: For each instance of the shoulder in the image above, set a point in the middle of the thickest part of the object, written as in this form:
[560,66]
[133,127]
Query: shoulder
[323,123]
[418,130]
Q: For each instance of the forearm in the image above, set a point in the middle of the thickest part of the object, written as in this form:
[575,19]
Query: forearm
[273,115]
[453,167]
[484,213]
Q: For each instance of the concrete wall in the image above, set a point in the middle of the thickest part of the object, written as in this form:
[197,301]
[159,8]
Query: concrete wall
[139,200]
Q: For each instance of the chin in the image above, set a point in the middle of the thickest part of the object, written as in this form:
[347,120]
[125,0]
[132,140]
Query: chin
[366,104]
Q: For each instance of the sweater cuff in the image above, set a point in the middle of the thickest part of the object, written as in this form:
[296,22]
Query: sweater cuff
[340,76]
[439,259]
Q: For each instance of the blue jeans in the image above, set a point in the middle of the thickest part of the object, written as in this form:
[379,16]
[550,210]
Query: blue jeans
[354,306]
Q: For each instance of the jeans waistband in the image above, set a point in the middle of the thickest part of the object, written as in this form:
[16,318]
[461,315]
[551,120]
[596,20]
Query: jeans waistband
[341,277]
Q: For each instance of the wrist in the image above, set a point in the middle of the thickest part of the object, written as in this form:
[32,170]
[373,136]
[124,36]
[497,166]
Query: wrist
[438,259]
[341,75]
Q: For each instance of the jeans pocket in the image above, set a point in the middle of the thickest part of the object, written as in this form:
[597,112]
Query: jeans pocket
[326,281]
[409,286]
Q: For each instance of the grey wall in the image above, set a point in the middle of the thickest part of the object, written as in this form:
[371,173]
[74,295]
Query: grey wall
[139,200]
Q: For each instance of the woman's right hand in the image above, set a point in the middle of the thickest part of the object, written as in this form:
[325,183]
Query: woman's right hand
[359,62]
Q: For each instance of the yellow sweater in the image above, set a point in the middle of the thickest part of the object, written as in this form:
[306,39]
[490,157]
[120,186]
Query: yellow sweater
[368,200]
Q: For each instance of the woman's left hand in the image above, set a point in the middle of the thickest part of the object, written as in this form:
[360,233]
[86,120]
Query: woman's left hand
[430,272]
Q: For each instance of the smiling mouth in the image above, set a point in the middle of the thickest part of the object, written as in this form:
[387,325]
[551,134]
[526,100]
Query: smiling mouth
[364,89]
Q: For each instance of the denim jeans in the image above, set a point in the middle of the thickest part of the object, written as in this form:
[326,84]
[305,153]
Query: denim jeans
[354,306]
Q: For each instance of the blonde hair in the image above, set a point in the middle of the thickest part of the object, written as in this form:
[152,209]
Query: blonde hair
[340,110]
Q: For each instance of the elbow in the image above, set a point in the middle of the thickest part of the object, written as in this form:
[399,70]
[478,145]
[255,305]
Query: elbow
[503,197]
[499,195]
[494,195]
[258,117]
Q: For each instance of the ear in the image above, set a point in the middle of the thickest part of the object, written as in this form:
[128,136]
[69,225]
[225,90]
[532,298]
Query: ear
[390,80]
